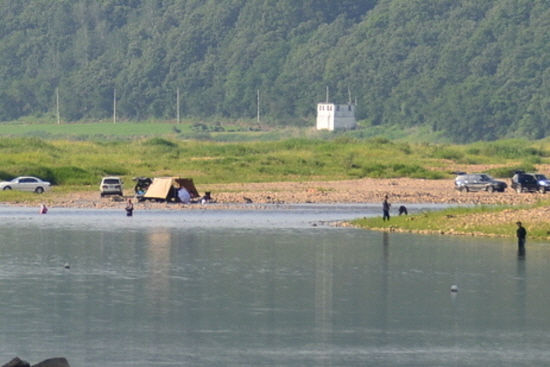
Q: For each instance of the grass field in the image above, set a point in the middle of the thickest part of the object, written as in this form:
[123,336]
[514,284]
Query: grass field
[80,154]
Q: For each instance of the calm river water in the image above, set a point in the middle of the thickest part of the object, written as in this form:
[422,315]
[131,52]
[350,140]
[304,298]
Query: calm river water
[275,287]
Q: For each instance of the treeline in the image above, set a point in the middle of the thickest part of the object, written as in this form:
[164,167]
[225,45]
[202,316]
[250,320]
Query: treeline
[470,70]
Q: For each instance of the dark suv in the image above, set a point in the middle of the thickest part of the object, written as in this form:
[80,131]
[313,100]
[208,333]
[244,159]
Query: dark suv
[543,181]
[524,182]
[478,182]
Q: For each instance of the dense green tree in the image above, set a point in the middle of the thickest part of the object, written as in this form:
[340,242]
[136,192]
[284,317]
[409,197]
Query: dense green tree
[468,69]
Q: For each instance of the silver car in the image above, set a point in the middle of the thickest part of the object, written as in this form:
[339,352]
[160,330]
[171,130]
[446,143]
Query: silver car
[111,185]
[478,182]
[26,183]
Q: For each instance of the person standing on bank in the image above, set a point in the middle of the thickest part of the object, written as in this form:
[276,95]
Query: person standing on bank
[129,208]
[521,234]
[386,209]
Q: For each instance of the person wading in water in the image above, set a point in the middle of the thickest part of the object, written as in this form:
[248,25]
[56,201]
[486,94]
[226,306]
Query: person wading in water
[129,208]
[386,209]
[521,234]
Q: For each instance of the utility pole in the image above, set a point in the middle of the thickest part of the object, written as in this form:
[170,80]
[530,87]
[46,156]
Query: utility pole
[258,106]
[57,105]
[178,105]
[114,106]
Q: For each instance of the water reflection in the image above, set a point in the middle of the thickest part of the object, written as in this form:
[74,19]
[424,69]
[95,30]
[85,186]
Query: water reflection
[159,247]
[323,291]
[521,295]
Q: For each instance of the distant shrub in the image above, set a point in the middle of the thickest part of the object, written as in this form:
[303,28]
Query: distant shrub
[406,170]
[4,176]
[23,144]
[380,141]
[534,160]
[160,142]
[400,170]
[405,148]
[44,173]
[448,153]
[70,175]
[374,170]
[508,172]
[509,149]
[112,171]
[201,136]
[345,140]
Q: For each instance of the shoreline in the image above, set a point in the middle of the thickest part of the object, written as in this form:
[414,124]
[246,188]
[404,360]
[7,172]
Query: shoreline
[369,191]
[360,191]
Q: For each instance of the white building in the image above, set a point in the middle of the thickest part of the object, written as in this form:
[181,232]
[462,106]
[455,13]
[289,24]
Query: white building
[332,116]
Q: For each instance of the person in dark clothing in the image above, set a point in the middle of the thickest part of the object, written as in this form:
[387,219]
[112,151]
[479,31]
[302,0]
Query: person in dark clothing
[207,198]
[403,210]
[386,209]
[521,234]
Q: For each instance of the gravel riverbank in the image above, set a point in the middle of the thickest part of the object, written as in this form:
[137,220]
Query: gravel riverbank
[399,191]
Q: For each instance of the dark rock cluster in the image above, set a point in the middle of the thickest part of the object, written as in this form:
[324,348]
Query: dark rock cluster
[51,362]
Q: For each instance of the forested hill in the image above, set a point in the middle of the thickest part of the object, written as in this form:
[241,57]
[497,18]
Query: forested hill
[469,69]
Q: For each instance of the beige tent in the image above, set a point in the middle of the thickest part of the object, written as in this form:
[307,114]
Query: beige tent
[165,188]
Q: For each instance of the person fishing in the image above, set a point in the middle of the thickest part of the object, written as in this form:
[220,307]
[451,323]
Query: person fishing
[521,234]
[386,209]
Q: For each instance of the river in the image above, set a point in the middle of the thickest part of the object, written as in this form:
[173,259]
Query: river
[272,287]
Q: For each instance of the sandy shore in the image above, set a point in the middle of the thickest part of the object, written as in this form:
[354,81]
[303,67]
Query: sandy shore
[400,191]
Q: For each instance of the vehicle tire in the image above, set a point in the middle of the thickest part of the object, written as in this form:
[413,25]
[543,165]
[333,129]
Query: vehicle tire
[490,189]
[39,190]
[464,189]
[7,188]
[519,189]
[542,190]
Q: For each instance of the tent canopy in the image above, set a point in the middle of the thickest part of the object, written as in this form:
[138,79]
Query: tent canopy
[165,188]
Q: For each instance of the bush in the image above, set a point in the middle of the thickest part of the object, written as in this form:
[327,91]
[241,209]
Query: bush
[70,175]
[508,172]
[43,173]
[448,153]
[374,170]
[160,142]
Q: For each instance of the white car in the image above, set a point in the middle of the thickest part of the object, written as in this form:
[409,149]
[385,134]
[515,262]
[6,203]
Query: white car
[26,183]
[111,186]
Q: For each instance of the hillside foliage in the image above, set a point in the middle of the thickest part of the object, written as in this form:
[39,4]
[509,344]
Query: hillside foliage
[469,70]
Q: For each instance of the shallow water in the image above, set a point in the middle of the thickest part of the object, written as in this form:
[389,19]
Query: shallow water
[274,287]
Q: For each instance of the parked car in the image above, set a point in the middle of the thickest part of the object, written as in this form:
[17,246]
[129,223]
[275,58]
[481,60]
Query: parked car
[111,185]
[26,183]
[479,182]
[543,182]
[524,182]
[142,184]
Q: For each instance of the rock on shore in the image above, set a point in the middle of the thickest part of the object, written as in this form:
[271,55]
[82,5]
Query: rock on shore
[51,362]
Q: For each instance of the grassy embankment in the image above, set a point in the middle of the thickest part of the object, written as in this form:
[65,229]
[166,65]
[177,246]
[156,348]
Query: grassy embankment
[87,152]
[494,221]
